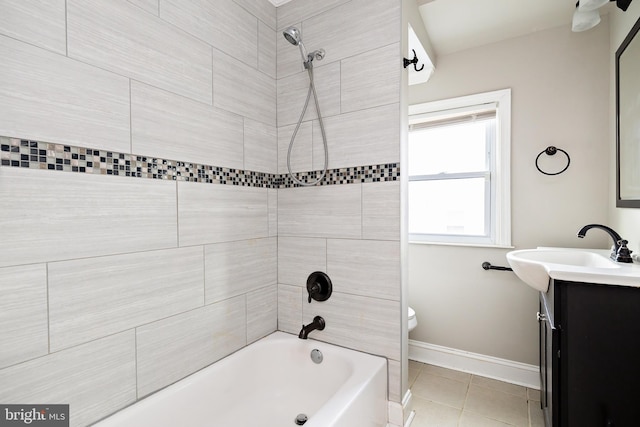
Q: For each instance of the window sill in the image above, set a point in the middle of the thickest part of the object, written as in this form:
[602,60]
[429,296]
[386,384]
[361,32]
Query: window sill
[469,245]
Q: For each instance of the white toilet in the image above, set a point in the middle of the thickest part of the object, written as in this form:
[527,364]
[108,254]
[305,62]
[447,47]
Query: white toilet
[413,322]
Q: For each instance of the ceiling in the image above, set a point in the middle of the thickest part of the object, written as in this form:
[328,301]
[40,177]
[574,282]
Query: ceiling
[455,25]
[279,2]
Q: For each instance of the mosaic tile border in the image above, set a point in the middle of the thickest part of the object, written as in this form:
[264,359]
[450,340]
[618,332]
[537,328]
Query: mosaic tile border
[24,153]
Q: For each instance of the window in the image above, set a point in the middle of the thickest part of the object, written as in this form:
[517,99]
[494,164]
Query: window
[458,168]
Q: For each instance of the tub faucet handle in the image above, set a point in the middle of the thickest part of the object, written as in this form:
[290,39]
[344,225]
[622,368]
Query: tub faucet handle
[319,286]
[313,291]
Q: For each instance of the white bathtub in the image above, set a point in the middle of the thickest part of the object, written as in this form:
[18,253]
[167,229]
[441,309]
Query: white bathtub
[268,384]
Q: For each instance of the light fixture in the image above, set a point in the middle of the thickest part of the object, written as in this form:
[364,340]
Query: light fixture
[587,5]
[587,15]
[584,20]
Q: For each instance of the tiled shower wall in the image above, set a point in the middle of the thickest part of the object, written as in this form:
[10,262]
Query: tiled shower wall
[112,287]
[350,231]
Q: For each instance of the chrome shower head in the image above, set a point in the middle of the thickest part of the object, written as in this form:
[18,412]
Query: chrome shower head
[293,36]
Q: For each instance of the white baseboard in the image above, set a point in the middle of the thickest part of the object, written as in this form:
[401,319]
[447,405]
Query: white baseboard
[487,366]
[394,417]
[410,418]
[407,408]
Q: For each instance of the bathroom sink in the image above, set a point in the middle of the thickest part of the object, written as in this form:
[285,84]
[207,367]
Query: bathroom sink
[536,266]
[567,257]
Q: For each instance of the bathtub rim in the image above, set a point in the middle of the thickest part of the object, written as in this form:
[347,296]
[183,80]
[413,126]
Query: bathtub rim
[332,408]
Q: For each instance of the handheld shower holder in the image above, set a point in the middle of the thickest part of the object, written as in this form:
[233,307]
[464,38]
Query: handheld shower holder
[318,55]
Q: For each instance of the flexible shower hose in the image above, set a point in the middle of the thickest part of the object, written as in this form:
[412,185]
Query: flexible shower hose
[312,89]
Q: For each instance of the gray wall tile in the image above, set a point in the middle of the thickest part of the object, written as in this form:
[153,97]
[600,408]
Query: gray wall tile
[41,23]
[125,291]
[262,312]
[298,257]
[364,137]
[118,36]
[95,379]
[365,267]
[289,308]
[56,216]
[151,6]
[260,146]
[328,211]
[235,268]
[23,313]
[394,380]
[170,349]
[174,127]
[263,10]
[366,324]
[49,97]
[371,79]
[381,210]
[302,151]
[272,195]
[232,93]
[318,146]
[97,216]
[379,26]
[267,49]
[222,23]
[292,92]
[296,11]
[221,213]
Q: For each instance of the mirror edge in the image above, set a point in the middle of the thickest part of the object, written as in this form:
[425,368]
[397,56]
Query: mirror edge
[622,203]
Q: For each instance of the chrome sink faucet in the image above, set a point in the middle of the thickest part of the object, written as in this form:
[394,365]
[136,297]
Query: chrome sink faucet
[619,250]
[318,323]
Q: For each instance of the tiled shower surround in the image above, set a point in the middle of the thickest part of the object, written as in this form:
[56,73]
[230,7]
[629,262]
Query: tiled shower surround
[112,287]
[23,153]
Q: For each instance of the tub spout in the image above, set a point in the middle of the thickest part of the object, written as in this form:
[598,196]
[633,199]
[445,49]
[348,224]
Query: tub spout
[318,323]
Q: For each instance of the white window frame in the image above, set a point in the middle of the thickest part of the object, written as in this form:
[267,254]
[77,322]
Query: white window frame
[500,166]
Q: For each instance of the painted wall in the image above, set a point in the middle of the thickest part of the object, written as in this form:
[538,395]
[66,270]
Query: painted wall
[624,220]
[112,287]
[559,80]
[351,229]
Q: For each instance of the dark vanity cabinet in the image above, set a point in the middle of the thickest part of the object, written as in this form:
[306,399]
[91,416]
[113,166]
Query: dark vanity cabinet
[590,355]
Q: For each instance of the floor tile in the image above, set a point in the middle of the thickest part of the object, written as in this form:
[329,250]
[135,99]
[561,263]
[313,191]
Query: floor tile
[430,414]
[535,414]
[470,419]
[497,405]
[414,370]
[440,389]
[447,373]
[533,394]
[499,385]
[445,397]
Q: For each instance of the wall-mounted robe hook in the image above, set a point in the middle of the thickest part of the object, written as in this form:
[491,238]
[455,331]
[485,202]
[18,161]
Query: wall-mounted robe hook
[413,61]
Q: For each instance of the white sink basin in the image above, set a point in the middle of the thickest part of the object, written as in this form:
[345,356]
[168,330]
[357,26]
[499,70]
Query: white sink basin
[536,266]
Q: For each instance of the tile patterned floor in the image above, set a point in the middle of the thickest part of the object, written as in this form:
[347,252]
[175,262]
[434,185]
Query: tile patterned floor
[447,398]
